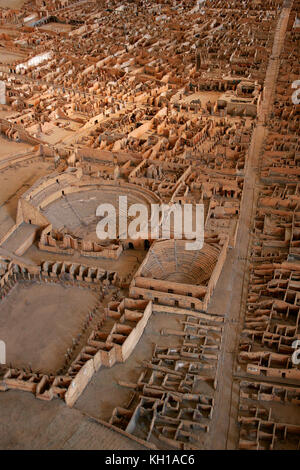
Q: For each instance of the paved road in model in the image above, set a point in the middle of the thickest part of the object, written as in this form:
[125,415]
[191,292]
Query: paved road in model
[231,292]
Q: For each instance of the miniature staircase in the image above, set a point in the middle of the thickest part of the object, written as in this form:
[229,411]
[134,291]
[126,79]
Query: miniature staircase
[21,239]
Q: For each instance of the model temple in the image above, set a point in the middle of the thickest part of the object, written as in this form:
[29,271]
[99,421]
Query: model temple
[137,342]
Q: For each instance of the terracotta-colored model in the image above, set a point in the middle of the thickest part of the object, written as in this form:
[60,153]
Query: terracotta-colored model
[139,342]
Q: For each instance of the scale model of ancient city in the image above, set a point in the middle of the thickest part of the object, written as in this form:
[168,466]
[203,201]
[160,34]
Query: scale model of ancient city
[138,342]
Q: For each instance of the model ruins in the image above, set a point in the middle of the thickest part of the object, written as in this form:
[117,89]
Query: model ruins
[141,343]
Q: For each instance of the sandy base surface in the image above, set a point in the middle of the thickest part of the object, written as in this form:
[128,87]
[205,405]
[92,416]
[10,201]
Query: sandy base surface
[9,31]
[9,57]
[57,27]
[5,112]
[13,4]
[28,423]
[14,181]
[9,148]
[38,322]
[203,96]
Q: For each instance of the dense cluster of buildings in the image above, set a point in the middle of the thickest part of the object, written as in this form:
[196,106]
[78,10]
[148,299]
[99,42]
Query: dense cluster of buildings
[164,102]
